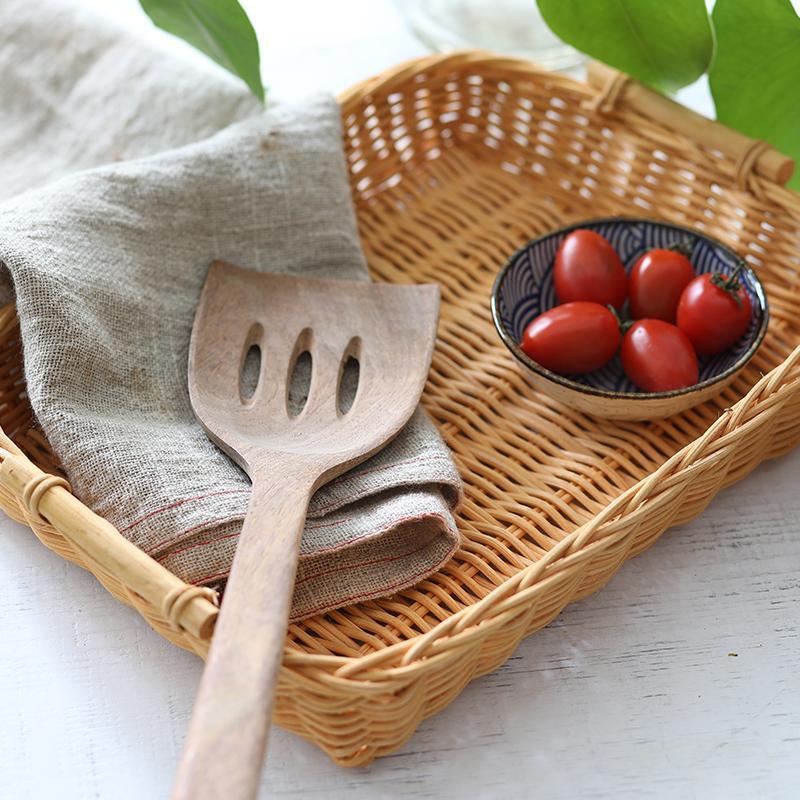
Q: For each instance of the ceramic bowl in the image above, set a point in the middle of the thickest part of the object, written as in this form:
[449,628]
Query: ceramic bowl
[524,289]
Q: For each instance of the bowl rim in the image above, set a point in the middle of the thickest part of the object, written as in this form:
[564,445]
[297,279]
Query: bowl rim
[547,374]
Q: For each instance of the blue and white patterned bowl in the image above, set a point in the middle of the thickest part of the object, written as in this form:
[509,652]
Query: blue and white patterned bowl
[524,289]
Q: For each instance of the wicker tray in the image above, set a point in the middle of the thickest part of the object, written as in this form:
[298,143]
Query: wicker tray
[455,162]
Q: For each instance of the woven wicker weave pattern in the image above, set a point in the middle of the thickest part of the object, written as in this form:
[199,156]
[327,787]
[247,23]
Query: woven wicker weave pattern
[455,162]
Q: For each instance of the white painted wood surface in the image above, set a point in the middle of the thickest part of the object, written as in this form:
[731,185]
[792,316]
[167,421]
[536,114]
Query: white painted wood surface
[631,693]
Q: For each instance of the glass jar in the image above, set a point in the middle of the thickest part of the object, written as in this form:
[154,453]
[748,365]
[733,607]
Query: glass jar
[511,27]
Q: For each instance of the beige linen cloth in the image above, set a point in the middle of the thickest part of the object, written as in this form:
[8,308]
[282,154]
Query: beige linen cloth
[123,173]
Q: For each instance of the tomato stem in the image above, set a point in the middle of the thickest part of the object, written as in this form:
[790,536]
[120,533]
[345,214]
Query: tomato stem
[730,283]
[624,324]
[733,281]
[685,248]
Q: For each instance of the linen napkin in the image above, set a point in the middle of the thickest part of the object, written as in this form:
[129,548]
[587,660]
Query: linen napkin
[124,173]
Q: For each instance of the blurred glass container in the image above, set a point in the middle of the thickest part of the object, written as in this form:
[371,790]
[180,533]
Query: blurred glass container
[511,27]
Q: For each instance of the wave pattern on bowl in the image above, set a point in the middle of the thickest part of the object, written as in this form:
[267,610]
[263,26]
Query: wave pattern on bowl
[527,289]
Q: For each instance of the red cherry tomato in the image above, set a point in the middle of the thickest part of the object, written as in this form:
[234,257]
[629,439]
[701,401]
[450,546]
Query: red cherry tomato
[714,312]
[572,338]
[658,357]
[656,283]
[588,268]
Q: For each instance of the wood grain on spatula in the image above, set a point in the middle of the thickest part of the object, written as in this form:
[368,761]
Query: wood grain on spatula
[288,453]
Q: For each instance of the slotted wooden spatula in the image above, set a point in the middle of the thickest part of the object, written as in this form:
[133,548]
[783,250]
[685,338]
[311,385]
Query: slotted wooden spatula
[246,317]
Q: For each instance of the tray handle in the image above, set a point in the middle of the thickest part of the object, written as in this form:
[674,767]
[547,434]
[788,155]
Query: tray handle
[46,499]
[614,89]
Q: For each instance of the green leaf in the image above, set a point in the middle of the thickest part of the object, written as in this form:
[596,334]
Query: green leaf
[756,71]
[665,44]
[218,28]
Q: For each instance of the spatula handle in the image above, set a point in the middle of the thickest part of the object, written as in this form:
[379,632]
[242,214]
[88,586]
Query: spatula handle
[227,738]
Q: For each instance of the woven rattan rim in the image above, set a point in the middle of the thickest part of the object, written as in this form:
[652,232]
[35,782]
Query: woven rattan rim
[359,706]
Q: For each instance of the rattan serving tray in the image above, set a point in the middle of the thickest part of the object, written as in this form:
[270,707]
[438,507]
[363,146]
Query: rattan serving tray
[455,162]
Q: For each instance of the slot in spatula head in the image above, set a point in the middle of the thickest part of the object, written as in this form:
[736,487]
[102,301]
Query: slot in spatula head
[321,369]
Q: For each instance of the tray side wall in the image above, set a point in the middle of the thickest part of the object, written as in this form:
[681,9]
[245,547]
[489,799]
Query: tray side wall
[358,708]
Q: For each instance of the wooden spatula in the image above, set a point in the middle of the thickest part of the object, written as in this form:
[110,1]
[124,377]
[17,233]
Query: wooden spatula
[266,329]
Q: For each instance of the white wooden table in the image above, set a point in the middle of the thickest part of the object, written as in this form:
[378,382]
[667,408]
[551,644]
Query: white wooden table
[679,679]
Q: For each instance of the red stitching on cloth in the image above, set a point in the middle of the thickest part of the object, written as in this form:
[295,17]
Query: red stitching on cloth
[340,546]
[179,503]
[358,596]
[350,567]
[322,510]
[217,521]
[317,525]
[365,492]
[337,547]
